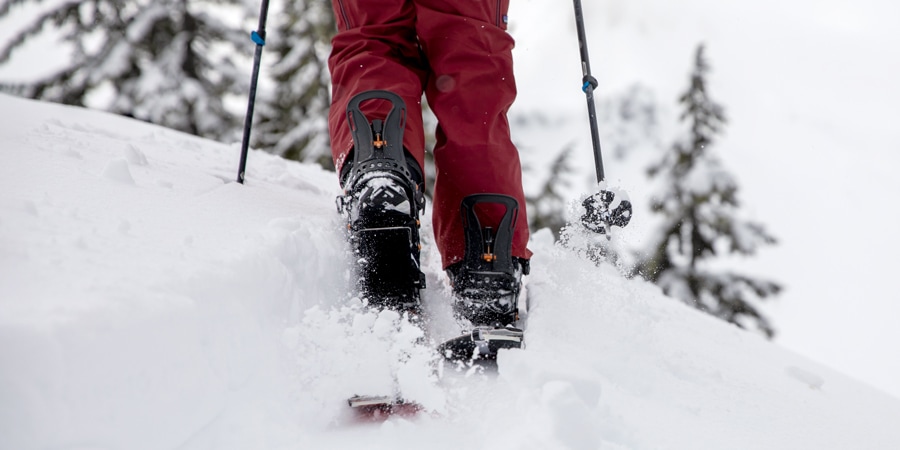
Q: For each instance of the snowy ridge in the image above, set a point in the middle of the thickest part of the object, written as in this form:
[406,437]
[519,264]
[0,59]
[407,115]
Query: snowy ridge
[150,302]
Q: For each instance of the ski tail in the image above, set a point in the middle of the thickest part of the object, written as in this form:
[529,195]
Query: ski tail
[374,408]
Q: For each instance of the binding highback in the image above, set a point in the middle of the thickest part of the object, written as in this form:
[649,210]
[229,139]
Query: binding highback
[377,144]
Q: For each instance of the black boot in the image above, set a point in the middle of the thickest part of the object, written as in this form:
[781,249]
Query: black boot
[486,284]
[382,202]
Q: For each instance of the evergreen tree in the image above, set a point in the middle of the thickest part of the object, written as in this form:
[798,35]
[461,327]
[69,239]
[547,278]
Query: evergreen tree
[168,62]
[698,203]
[547,208]
[293,119]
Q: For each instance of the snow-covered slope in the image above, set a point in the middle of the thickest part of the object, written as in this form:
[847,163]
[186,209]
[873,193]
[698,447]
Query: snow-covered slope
[147,302]
[809,92]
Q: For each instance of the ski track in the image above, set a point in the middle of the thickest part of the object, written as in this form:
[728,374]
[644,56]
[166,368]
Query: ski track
[150,302]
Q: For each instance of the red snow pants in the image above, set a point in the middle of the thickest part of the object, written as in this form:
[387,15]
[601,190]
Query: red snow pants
[459,55]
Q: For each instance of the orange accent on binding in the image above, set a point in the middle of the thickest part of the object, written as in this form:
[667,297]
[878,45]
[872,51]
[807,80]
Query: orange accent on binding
[378,143]
[489,257]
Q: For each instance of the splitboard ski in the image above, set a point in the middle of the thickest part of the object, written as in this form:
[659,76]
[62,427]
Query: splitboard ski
[382,202]
[378,408]
[477,348]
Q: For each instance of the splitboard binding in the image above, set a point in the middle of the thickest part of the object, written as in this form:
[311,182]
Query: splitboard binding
[481,345]
[382,201]
[486,284]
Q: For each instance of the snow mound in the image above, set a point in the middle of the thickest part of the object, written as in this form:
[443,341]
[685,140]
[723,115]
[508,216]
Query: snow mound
[148,301]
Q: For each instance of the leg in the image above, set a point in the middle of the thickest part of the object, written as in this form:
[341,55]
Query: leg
[470,90]
[375,48]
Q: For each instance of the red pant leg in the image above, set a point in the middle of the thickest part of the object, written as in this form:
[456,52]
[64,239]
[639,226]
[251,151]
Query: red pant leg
[375,48]
[470,89]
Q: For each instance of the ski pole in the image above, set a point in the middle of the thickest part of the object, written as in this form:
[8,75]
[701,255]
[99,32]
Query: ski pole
[259,38]
[589,83]
[597,217]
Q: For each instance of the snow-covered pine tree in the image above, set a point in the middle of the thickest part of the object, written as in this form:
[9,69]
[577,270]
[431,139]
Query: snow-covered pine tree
[546,209]
[698,203]
[169,62]
[292,120]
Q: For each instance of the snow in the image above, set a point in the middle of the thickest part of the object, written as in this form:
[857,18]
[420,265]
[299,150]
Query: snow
[151,302]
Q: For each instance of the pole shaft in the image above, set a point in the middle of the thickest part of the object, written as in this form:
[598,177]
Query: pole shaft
[254,78]
[589,90]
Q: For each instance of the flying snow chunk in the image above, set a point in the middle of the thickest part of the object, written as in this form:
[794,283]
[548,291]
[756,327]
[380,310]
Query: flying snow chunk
[117,170]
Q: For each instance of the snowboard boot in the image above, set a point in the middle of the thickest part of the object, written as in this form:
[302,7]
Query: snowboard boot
[487,282]
[383,199]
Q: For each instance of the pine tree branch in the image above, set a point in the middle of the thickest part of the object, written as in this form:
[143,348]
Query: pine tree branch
[55,17]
